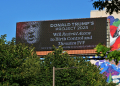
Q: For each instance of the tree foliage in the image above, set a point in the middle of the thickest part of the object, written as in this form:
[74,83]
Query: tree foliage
[85,74]
[105,52]
[113,6]
[13,60]
[20,66]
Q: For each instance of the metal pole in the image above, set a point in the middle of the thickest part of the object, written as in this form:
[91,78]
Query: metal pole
[53,76]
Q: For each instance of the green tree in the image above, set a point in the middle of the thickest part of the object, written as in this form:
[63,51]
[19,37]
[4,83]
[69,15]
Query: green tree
[17,64]
[113,6]
[105,53]
[86,73]
[20,66]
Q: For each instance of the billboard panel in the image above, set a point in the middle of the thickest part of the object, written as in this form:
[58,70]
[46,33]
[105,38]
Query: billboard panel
[73,34]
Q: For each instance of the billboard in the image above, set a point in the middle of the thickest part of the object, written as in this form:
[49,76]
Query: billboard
[73,34]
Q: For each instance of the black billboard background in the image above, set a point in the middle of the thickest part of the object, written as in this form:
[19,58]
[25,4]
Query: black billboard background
[71,34]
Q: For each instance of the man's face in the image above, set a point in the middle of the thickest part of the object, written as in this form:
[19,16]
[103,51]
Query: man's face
[31,32]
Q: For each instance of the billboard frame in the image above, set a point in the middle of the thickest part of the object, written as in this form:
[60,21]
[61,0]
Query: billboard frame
[82,52]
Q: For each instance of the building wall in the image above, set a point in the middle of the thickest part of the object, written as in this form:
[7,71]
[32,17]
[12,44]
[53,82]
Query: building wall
[111,70]
[96,13]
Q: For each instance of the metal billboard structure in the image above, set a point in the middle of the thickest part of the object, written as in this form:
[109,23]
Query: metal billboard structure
[77,36]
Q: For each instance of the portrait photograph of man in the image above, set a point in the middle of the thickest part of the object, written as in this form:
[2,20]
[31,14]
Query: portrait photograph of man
[29,33]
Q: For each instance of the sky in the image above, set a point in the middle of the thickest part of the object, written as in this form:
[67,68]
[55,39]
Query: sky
[13,11]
